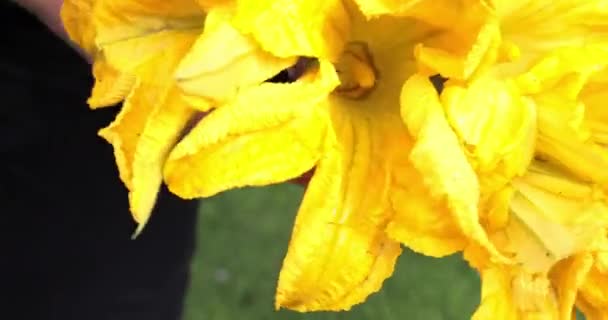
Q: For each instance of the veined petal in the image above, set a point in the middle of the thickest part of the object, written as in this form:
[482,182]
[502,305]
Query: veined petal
[594,95]
[559,216]
[267,134]
[459,56]
[146,57]
[137,36]
[421,222]
[496,125]
[339,253]
[257,158]
[76,16]
[390,41]
[291,28]
[563,138]
[566,68]
[438,156]
[123,132]
[111,86]
[568,277]
[507,295]
[117,20]
[386,44]
[567,130]
[458,15]
[553,222]
[593,295]
[162,131]
[444,14]
[544,25]
[149,124]
[544,282]
[223,61]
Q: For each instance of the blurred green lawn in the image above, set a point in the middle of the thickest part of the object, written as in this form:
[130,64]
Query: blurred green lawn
[243,237]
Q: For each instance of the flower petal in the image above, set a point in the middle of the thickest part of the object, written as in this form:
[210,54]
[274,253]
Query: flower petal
[149,124]
[508,295]
[558,70]
[554,223]
[438,156]
[545,25]
[460,56]
[223,61]
[143,57]
[496,302]
[136,36]
[111,86]
[292,28]
[267,134]
[117,20]
[593,95]
[496,125]
[441,13]
[76,17]
[568,276]
[421,222]
[563,138]
[339,253]
[593,295]
[460,16]
[561,217]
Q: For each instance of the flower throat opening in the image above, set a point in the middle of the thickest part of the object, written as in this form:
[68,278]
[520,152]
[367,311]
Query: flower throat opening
[355,68]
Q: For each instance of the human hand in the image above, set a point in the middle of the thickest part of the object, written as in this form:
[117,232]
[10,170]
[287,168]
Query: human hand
[48,11]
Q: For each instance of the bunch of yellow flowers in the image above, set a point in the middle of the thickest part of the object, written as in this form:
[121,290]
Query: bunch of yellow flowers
[473,126]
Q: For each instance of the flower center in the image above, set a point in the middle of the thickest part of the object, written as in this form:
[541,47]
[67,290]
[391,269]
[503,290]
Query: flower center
[356,71]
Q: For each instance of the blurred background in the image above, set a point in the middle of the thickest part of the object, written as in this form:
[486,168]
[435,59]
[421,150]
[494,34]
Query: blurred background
[243,236]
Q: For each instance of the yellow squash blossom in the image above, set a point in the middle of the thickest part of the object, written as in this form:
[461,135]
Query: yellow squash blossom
[512,38]
[341,117]
[552,226]
[517,80]
[138,47]
[522,101]
[496,108]
[533,45]
[505,161]
[557,219]
[142,41]
[111,86]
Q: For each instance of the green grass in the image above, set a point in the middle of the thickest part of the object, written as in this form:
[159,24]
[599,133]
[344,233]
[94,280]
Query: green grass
[243,237]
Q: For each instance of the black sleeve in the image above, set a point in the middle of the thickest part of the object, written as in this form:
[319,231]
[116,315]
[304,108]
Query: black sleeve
[65,224]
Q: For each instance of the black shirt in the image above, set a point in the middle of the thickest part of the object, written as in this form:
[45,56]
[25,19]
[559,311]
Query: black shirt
[64,219]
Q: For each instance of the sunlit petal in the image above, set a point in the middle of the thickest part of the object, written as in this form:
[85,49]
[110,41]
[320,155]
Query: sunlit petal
[338,253]
[453,179]
[142,135]
[221,53]
[288,28]
[268,134]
